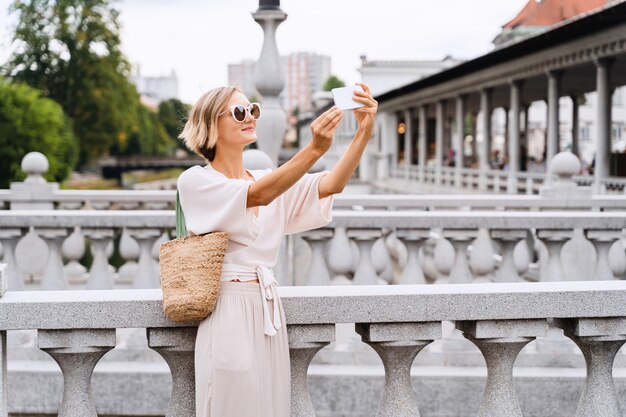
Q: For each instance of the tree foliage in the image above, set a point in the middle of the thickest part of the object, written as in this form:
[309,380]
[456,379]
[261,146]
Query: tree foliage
[70,49]
[333,82]
[173,115]
[30,122]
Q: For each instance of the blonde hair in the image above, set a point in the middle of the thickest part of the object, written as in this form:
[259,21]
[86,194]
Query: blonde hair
[200,133]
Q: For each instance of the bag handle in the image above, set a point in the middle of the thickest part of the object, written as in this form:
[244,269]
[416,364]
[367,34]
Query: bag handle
[181,227]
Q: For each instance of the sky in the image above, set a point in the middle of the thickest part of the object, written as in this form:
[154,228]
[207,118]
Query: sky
[198,39]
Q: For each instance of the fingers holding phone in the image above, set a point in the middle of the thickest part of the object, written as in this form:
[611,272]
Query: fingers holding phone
[323,128]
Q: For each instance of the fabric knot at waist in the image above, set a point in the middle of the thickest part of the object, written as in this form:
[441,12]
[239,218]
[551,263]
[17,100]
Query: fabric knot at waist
[267,283]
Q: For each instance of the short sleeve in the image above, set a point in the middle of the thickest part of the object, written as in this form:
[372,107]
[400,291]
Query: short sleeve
[213,203]
[304,209]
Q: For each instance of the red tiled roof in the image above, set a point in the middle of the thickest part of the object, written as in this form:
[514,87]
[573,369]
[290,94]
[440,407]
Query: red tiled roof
[550,12]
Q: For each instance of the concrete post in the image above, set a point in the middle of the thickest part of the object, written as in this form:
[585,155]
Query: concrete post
[318,271]
[439,141]
[458,142]
[514,136]
[408,148]
[603,142]
[485,146]
[554,94]
[421,142]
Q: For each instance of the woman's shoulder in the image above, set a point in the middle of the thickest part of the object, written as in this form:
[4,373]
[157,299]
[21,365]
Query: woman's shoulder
[194,174]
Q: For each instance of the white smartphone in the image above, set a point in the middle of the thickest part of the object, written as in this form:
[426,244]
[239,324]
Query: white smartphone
[343,97]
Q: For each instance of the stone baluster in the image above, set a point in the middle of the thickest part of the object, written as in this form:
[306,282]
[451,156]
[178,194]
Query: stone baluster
[129,250]
[365,273]
[147,276]
[603,240]
[70,205]
[4,386]
[599,339]
[398,344]
[77,352]
[500,342]
[496,183]
[482,262]
[529,186]
[99,275]
[554,241]
[318,271]
[508,239]
[176,346]
[413,239]
[460,273]
[305,340]
[54,277]
[100,205]
[9,239]
[340,260]
[73,249]
[129,205]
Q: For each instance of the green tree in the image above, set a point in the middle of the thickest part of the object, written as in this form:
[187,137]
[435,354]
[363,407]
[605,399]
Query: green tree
[30,122]
[71,50]
[333,82]
[173,116]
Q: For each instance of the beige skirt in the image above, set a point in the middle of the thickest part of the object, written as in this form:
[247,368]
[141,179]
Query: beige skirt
[241,372]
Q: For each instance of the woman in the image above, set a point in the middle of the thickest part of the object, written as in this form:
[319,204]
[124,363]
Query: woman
[241,353]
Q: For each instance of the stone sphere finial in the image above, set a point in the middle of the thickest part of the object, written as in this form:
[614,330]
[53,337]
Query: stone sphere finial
[35,164]
[565,165]
[257,159]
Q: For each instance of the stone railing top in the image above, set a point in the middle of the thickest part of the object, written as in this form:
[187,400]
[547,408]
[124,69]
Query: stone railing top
[97,309]
[374,219]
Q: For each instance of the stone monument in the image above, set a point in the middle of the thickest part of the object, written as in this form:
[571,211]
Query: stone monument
[270,80]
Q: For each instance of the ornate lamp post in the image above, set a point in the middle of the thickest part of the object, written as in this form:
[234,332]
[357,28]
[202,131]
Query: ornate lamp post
[269,80]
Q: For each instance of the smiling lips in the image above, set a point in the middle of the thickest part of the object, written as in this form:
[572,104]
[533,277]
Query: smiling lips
[248,129]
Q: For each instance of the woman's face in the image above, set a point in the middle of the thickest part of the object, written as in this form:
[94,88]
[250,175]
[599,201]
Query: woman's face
[234,132]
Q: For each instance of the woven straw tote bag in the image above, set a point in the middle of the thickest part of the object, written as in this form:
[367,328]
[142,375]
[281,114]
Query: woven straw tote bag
[191,268]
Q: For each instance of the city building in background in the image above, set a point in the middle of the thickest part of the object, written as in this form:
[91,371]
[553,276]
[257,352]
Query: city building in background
[382,76]
[154,89]
[305,73]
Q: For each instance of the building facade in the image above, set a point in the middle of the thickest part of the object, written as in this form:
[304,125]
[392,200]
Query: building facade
[154,89]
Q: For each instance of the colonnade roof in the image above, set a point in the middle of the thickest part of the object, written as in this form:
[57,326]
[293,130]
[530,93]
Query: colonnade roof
[609,18]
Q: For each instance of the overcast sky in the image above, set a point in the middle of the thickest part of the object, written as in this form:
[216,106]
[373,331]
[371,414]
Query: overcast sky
[198,39]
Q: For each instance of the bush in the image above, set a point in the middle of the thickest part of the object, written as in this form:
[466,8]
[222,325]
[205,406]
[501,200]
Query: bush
[30,122]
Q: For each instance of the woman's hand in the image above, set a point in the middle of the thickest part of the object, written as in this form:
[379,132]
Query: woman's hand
[323,129]
[365,116]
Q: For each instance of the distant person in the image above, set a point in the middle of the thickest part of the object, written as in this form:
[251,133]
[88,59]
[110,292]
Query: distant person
[241,352]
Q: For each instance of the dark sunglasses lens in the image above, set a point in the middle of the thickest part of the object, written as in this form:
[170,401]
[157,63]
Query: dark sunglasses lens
[240,113]
[255,111]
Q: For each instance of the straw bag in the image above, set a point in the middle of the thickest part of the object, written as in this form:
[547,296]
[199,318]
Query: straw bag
[191,268]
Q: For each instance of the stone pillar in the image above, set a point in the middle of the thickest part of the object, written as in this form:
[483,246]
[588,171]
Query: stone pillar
[398,344]
[318,271]
[514,135]
[554,94]
[9,239]
[485,146]
[412,239]
[554,241]
[305,340]
[147,275]
[99,275]
[439,141]
[176,346]
[408,146]
[599,339]
[603,142]
[77,352]
[458,143]
[54,277]
[575,127]
[500,342]
[421,143]
[365,273]
[269,81]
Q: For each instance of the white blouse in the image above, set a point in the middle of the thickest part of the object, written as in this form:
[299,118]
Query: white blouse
[212,202]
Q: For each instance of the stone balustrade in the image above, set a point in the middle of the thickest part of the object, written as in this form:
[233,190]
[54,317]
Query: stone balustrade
[357,247]
[77,327]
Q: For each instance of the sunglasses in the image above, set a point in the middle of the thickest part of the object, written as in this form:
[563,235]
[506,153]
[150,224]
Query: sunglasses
[240,112]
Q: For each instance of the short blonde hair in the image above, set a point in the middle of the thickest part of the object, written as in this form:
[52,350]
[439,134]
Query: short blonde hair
[200,133]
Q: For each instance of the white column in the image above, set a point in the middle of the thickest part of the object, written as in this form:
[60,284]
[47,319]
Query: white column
[516,93]
[408,148]
[575,126]
[458,139]
[554,93]
[485,146]
[603,141]
[439,141]
[421,142]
